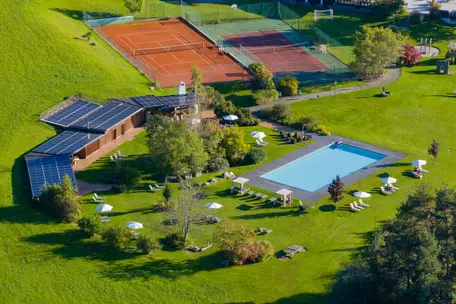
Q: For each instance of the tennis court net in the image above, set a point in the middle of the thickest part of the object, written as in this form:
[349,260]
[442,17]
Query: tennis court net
[298,47]
[171,48]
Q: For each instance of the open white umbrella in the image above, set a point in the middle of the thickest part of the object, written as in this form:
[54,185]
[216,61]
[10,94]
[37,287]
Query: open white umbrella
[134,225]
[214,206]
[230,117]
[259,135]
[362,194]
[234,6]
[388,180]
[419,163]
[104,208]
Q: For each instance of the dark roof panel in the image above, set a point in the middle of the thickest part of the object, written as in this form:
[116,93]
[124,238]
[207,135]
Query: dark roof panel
[67,143]
[107,116]
[71,113]
[48,170]
[152,101]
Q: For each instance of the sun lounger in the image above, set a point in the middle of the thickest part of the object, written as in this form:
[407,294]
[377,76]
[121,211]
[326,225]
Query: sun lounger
[394,188]
[354,208]
[153,189]
[96,200]
[233,176]
[159,187]
[362,203]
[293,249]
[259,143]
[424,170]
[384,191]
[263,142]
[251,192]
[355,204]
[121,154]
[98,197]
[106,220]
[264,196]
[268,231]
[258,194]
[273,199]
[417,175]
[112,158]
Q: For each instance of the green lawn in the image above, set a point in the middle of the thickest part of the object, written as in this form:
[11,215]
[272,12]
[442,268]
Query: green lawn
[43,61]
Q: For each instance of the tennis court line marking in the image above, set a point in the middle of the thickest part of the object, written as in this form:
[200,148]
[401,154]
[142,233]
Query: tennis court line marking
[210,64]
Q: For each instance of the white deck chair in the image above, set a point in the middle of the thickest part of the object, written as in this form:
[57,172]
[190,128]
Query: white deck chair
[354,208]
[362,203]
[121,154]
[384,191]
[153,189]
[98,197]
[259,143]
[263,142]
[159,187]
[357,206]
[97,200]
[112,158]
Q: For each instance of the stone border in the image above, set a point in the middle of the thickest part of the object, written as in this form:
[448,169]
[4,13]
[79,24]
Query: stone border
[320,142]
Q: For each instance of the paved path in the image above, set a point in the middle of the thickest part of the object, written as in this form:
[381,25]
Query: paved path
[392,75]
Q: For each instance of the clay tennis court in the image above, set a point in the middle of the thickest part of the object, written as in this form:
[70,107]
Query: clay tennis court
[276,51]
[165,50]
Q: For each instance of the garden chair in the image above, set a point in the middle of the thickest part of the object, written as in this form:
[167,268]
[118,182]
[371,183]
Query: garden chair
[258,194]
[251,192]
[264,196]
[159,187]
[358,206]
[417,175]
[96,200]
[112,158]
[384,191]
[263,142]
[273,199]
[362,203]
[98,197]
[153,189]
[121,154]
[354,208]
[260,143]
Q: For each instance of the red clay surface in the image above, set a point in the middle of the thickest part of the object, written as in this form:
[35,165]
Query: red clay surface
[277,52]
[169,68]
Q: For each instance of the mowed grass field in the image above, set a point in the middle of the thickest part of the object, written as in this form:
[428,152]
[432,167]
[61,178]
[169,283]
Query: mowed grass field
[43,60]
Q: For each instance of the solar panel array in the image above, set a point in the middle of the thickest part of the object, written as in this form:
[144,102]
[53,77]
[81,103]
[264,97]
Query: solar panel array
[72,113]
[48,171]
[67,142]
[107,116]
[151,101]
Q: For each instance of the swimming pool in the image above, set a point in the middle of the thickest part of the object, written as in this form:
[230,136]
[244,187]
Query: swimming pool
[317,169]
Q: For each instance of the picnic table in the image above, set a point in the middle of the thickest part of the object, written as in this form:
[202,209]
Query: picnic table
[293,249]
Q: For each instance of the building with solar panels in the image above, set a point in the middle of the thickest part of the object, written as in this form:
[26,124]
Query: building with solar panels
[87,127]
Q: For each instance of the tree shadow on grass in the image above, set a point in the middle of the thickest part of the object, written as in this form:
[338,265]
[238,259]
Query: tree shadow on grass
[71,245]
[303,298]
[263,215]
[327,208]
[77,14]
[165,268]
[244,207]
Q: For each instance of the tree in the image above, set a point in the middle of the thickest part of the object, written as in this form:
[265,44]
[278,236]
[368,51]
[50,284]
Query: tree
[234,144]
[375,48]
[229,236]
[262,76]
[61,201]
[167,194]
[184,214]
[211,133]
[388,8]
[288,86]
[197,78]
[134,6]
[411,55]
[147,244]
[434,149]
[117,237]
[90,225]
[174,148]
[336,189]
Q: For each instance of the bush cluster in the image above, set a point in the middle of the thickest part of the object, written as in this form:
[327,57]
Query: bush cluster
[174,241]
[117,237]
[218,163]
[294,138]
[90,226]
[245,116]
[256,155]
[288,86]
[265,96]
[147,244]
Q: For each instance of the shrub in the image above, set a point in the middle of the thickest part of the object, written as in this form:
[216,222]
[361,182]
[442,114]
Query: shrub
[388,8]
[129,176]
[288,86]
[411,55]
[261,75]
[336,189]
[119,188]
[281,113]
[257,155]
[265,96]
[234,144]
[305,122]
[61,201]
[319,129]
[416,17]
[147,244]
[269,85]
[245,116]
[174,241]
[293,140]
[90,226]
[266,249]
[117,237]
[218,163]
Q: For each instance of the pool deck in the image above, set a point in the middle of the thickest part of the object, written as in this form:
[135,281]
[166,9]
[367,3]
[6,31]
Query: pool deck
[321,142]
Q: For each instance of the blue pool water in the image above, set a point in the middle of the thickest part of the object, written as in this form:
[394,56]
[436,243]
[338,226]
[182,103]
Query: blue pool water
[319,168]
